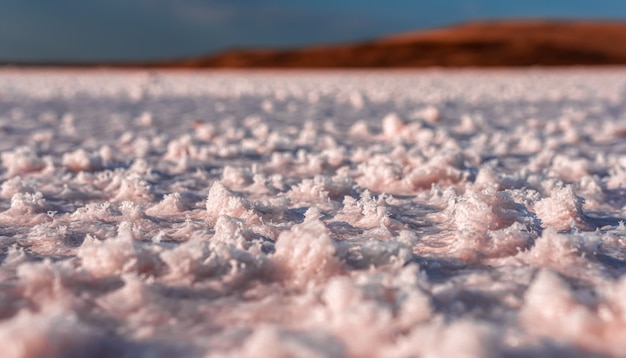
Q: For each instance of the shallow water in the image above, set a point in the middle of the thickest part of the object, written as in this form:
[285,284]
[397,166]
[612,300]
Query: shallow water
[432,213]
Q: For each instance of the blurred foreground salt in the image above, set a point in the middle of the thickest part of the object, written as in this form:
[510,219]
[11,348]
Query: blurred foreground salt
[357,214]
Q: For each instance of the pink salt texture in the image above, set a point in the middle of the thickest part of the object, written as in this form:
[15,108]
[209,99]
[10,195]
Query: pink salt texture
[304,214]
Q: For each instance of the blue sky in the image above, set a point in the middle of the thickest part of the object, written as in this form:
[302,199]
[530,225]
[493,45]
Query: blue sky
[76,30]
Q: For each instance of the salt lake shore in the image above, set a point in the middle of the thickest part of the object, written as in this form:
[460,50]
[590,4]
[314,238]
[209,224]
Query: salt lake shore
[433,213]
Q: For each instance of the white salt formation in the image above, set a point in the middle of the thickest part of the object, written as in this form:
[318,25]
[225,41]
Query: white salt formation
[365,214]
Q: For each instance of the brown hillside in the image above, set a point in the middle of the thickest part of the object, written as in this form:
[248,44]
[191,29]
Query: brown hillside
[485,44]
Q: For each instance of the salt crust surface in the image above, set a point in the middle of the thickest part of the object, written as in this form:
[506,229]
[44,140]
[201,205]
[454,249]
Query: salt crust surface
[303,214]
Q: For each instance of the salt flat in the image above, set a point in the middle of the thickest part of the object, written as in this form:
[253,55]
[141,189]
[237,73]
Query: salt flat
[306,214]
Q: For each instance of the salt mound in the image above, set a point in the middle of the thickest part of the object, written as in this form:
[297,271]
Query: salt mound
[562,210]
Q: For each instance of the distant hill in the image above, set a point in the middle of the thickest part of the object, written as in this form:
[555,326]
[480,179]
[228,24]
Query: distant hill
[478,44]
